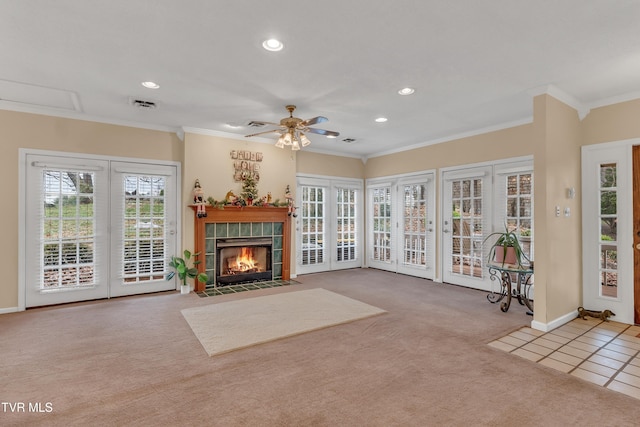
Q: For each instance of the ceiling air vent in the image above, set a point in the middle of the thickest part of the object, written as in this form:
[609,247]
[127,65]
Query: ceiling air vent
[142,104]
[255,124]
[349,140]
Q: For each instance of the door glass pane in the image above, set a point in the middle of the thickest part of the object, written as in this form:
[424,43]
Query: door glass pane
[608,265]
[144,239]
[466,233]
[346,224]
[68,229]
[312,225]
[381,224]
[519,209]
[415,219]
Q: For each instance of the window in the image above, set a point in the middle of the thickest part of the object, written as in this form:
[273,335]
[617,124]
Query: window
[346,226]
[312,217]
[608,266]
[143,237]
[519,209]
[381,200]
[68,229]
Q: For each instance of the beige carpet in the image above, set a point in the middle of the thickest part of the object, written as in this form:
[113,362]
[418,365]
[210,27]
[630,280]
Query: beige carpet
[238,324]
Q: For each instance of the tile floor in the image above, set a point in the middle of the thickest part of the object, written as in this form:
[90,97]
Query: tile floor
[232,289]
[604,353]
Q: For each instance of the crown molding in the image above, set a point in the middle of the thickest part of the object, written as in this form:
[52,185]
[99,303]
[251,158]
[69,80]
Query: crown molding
[562,96]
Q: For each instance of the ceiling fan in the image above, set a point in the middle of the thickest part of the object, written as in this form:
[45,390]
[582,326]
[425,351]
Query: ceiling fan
[292,130]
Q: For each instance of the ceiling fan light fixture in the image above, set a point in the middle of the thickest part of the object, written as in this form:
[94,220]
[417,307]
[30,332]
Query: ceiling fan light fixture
[292,130]
[304,140]
[331,136]
[273,45]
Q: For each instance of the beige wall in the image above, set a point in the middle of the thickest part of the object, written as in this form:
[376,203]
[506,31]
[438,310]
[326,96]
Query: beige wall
[328,165]
[21,130]
[502,144]
[615,122]
[558,251]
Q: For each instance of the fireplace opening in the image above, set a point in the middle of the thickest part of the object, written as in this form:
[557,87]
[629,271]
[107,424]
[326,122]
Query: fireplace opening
[243,260]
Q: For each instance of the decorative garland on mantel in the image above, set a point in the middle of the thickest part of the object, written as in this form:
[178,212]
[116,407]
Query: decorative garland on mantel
[246,198]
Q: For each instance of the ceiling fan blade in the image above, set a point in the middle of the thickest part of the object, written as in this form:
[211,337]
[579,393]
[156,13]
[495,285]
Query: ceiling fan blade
[260,122]
[262,133]
[322,132]
[314,121]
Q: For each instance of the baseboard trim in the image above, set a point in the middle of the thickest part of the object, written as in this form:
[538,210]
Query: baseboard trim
[9,310]
[546,327]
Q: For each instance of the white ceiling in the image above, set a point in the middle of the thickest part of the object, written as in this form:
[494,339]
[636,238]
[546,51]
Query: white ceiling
[475,65]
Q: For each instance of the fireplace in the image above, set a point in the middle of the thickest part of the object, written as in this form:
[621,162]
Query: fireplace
[243,260]
[232,224]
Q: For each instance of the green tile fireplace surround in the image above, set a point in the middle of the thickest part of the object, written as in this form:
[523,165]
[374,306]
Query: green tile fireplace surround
[214,231]
[233,222]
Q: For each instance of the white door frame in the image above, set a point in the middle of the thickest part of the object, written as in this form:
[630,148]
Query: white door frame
[395,183]
[493,218]
[330,186]
[34,166]
[448,176]
[619,152]
[23,256]
[117,284]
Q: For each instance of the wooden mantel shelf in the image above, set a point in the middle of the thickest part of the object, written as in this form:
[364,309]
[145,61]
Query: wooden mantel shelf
[231,214]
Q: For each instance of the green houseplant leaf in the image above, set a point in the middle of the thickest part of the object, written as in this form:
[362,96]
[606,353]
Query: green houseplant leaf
[506,239]
[184,271]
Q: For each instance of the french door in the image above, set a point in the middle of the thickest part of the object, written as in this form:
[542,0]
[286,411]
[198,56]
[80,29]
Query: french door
[143,227]
[466,218]
[66,229]
[401,225]
[478,200]
[607,230]
[96,228]
[328,224]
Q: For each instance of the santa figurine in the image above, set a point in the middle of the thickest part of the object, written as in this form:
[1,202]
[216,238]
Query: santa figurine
[198,200]
[289,198]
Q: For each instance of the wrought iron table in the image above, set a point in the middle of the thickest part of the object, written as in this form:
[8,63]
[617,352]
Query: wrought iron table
[523,289]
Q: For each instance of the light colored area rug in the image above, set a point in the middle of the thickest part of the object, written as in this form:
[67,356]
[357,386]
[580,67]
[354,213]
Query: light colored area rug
[238,324]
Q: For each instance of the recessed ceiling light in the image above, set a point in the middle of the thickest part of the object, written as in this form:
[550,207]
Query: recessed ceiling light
[233,125]
[381,119]
[272,45]
[151,85]
[406,91]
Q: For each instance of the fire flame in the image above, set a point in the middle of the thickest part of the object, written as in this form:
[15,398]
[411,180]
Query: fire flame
[244,260]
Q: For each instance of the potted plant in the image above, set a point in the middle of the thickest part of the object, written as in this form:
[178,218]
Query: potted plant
[506,249]
[181,267]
